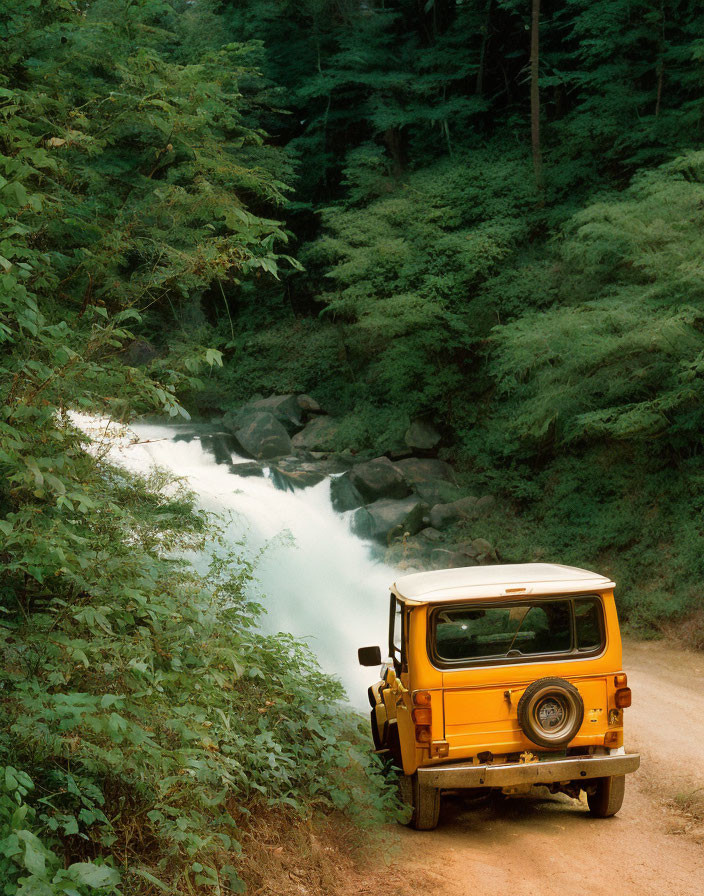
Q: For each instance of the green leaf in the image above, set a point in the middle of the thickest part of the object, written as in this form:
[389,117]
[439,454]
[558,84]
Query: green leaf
[91,875]
[35,855]
[55,483]
[11,782]
[148,876]
[70,825]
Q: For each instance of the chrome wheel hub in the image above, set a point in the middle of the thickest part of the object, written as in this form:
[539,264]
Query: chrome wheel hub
[550,714]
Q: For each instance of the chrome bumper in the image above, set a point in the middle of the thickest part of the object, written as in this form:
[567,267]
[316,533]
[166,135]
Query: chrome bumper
[461,775]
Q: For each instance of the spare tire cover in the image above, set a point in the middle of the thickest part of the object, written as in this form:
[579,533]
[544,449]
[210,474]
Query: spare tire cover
[550,712]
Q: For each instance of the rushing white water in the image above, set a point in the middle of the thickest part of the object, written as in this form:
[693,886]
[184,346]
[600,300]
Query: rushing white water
[315,579]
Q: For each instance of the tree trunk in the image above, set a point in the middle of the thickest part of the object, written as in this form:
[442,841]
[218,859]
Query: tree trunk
[482,52]
[660,67]
[661,77]
[392,139]
[535,96]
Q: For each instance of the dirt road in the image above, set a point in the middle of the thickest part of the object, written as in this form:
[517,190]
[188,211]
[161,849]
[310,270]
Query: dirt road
[545,845]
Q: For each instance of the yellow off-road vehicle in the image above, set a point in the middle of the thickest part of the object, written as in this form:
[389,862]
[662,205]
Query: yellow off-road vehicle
[503,677]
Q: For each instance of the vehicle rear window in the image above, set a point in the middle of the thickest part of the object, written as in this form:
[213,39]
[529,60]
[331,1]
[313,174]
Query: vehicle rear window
[510,631]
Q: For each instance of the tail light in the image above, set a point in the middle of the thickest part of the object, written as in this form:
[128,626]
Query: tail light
[621,680]
[422,716]
[623,698]
[611,738]
[423,735]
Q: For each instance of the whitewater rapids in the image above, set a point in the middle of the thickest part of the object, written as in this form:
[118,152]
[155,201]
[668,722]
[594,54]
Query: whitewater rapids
[315,579]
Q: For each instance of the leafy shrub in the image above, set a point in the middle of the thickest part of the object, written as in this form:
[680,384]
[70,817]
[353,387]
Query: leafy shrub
[28,864]
[144,717]
[618,355]
[148,711]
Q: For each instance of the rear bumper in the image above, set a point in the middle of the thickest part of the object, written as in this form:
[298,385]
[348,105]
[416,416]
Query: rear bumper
[461,775]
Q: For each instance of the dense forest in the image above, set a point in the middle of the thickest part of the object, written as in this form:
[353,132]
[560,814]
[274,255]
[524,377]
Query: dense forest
[504,239]
[483,213]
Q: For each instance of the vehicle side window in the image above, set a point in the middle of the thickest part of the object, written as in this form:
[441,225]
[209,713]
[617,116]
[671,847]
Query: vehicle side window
[588,623]
[397,628]
[396,633]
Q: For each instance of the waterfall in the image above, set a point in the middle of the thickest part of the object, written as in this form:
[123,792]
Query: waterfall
[315,579]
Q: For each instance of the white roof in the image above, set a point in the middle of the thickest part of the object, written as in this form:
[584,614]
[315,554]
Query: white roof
[513,580]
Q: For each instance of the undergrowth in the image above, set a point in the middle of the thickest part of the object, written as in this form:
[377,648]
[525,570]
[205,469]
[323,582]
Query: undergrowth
[147,721]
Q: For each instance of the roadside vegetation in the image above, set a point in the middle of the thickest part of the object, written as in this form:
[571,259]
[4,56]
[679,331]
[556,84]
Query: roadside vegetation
[145,722]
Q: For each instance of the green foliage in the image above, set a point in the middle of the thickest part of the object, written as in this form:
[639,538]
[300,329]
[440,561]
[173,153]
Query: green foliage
[143,700]
[555,338]
[27,864]
[634,73]
[141,184]
[619,354]
[409,265]
[596,433]
[143,716]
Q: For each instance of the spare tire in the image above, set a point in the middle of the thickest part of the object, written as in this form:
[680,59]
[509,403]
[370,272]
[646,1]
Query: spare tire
[550,712]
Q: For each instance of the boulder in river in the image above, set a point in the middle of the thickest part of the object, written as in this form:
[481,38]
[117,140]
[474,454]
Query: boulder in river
[416,470]
[378,478]
[330,463]
[301,470]
[438,491]
[259,433]
[422,436]
[220,445]
[343,494]
[285,408]
[237,418]
[444,515]
[289,478]
[308,405]
[387,518]
[318,435]
[248,468]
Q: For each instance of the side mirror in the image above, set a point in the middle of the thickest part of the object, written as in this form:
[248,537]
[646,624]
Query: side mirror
[369,656]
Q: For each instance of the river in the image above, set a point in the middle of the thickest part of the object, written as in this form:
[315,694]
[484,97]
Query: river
[315,579]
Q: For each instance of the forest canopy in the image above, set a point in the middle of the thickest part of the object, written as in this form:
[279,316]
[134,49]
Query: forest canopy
[497,208]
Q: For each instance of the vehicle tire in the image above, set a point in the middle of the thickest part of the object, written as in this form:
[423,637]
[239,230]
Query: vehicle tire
[607,799]
[405,790]
[378,741]
[550,712]
[424,802]
[392,743]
